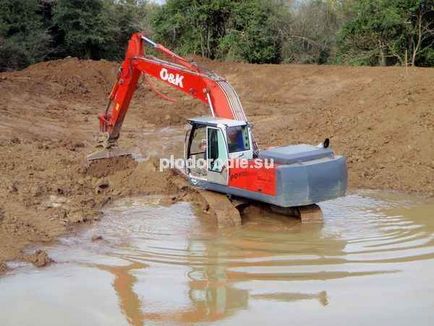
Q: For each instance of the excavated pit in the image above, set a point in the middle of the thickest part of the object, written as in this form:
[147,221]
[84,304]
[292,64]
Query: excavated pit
[380,118]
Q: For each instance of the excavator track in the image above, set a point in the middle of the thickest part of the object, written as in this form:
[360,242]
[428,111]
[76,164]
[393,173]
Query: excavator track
[306,214]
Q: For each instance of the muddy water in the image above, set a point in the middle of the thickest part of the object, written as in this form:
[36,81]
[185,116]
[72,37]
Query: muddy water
[371,262]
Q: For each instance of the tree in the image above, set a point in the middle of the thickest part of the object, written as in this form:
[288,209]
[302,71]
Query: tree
[86,27]
[23,38]
[311,35]
[195,26]
[387,32]
[128,17]
[240,30]
[361,32]
[421,33]
[253,31]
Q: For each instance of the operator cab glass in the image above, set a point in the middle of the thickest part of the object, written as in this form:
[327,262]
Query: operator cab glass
[197,150]
[217,152]
[238,139]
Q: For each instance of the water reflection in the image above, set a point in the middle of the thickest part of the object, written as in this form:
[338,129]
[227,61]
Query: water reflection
[288,297]
[277,250]
[123,284]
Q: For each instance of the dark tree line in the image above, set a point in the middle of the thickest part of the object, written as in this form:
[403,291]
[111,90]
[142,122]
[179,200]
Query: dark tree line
[35,30]
[359,32]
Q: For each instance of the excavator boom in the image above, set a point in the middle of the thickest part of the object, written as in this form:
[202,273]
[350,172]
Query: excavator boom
[187,77]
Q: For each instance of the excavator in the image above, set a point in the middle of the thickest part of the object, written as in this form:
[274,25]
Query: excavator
[295,176]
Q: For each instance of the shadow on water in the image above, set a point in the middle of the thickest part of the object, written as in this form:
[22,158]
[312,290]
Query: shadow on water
[373,254]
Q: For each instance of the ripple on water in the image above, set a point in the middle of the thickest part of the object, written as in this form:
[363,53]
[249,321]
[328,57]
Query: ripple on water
[359,236]
[169,265]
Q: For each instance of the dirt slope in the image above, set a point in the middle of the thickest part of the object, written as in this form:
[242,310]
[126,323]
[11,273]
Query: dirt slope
[382,119]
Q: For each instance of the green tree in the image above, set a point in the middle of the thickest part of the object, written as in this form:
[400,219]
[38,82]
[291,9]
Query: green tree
[240,30]
[254,31]
[23,38]
[195,26]
[86,27]
[127,17]
[388,32]
[311,35]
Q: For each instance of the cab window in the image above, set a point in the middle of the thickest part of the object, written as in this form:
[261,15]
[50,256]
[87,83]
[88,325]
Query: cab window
[238,139]
[198,140]
[217,152]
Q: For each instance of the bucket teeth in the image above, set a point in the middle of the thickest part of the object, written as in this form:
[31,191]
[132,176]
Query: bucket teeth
[107,154]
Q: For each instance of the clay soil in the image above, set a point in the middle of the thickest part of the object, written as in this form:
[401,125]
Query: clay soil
[381,119]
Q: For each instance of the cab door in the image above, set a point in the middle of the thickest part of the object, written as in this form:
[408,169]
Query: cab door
[195,153]
[217,156]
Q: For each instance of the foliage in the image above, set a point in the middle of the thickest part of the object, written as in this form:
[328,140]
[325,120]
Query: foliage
[388,32]
[359,32]
[85,27]
[23,38]
[254,32]
[191,26]
[238,30]
[311,35]
[126,18]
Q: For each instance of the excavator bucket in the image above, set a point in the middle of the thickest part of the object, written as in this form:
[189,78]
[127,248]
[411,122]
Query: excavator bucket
[108,154]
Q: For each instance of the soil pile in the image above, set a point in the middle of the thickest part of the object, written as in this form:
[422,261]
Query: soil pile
[382,119]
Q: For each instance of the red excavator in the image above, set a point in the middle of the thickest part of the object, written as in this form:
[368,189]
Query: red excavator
[285,177]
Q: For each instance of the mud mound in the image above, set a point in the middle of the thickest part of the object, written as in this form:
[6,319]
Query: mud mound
[75,77]
[75,90]
[39,258]
[104,167]
[3,268]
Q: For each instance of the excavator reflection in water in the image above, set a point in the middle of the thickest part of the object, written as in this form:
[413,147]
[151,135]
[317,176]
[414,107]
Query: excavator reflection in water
[211,300]
[212,292]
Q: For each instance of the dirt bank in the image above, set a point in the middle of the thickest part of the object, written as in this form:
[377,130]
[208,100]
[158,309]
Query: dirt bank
[382,119]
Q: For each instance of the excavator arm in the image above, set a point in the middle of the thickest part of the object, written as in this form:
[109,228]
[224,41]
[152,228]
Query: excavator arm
[187,77]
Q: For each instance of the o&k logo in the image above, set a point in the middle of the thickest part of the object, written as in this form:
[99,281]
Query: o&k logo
[175,79]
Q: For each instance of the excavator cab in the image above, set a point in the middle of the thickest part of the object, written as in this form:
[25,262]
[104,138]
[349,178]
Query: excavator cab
[209,145]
